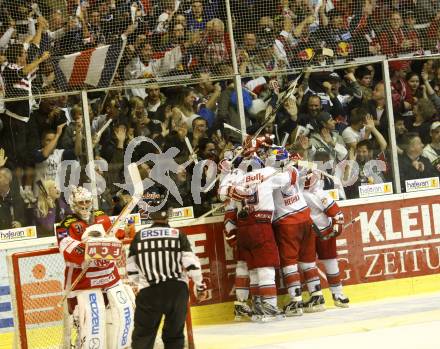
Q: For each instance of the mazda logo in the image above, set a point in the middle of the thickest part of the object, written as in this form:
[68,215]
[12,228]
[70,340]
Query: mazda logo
[94,343]
[121,297]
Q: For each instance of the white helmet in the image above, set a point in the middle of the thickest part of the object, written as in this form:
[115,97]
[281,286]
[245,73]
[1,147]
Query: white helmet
[80,201]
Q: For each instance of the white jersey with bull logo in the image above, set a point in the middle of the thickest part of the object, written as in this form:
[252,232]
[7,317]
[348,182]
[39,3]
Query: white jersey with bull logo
[289,201]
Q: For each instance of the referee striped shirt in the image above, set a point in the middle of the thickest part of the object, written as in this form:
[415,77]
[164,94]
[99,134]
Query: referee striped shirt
[156,255]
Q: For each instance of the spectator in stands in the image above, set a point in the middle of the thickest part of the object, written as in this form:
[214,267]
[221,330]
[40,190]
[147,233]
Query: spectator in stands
[11,203]
[395,40]
[400,128]
[312,111]
[187,105]
[413,84]
[217,48]
[401,95]
[154,99]
[325,139]
[196,18]
[337,36]
[377,108]
[198,131]
[51,208]
[18,138]
[249,45]
[356,132]
[144,65]
[428,90]
[364,78]
[94,27]
[412,164]
[68,137]
[49,115]
[48,158]
[432,150]
[369,172]
[208,94]
[139,117]
[420,122]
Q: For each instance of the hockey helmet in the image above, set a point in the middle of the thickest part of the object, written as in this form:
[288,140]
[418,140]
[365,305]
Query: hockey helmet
[80,201]
[277,155]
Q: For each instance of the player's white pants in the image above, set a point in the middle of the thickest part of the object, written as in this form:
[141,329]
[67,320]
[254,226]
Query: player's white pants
[101,328]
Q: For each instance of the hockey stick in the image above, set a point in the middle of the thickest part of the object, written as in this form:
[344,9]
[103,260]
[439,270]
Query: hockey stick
[286,137]
[192,154]
[354,220]
[103,128]
[137,195]
[232,128]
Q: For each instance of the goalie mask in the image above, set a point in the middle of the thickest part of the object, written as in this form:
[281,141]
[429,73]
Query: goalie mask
[80,201]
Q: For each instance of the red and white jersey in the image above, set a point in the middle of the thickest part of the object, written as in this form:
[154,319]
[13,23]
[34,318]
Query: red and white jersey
[290,205]
[321,204]
[261,184]
[100,274]
[230,179]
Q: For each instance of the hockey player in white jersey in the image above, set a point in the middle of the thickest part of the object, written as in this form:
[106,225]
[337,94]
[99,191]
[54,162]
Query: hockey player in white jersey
[295,240]
[230,174]
[328,221]
[256,237]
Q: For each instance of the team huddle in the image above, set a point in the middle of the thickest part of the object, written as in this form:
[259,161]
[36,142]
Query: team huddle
[278,215]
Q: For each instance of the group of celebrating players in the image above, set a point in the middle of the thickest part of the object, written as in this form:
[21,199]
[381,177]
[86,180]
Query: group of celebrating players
[278,215]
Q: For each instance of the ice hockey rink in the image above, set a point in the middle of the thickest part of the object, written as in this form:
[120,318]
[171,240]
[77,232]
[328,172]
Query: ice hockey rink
[401,323]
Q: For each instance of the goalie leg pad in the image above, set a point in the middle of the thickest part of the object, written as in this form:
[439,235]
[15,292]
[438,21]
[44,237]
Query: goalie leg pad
[91,317]
[120,321]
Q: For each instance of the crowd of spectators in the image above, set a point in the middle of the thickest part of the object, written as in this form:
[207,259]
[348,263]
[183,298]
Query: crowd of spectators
[336,116]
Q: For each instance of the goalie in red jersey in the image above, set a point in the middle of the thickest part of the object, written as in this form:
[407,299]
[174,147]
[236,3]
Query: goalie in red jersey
[100,287]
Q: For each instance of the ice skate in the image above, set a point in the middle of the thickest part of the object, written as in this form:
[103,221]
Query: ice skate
[341,300]
[266,312]
[242,311]
[257,312]
[294,308]
[314,304]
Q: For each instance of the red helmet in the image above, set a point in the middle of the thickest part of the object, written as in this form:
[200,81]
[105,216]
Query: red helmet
[252,145]
[295,157]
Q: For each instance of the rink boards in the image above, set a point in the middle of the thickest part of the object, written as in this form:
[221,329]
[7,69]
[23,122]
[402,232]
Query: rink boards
[394,250]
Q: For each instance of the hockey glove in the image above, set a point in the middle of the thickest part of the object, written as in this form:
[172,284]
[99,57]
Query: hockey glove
[201,292]
[324,234]
[237,193]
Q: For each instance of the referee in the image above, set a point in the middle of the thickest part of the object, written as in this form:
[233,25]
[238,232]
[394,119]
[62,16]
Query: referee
[158,260]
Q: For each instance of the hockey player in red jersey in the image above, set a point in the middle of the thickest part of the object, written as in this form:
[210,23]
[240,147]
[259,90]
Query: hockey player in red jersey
[295,240]
[255,234]
[98,328]
[328,221]
[230,173]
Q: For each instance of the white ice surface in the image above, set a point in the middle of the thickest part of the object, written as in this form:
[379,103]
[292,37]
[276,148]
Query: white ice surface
[400,323]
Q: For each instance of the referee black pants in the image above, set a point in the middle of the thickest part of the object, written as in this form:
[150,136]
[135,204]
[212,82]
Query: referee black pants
[169,298]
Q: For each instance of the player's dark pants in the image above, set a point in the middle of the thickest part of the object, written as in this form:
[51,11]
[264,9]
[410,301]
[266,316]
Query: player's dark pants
[169,298]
